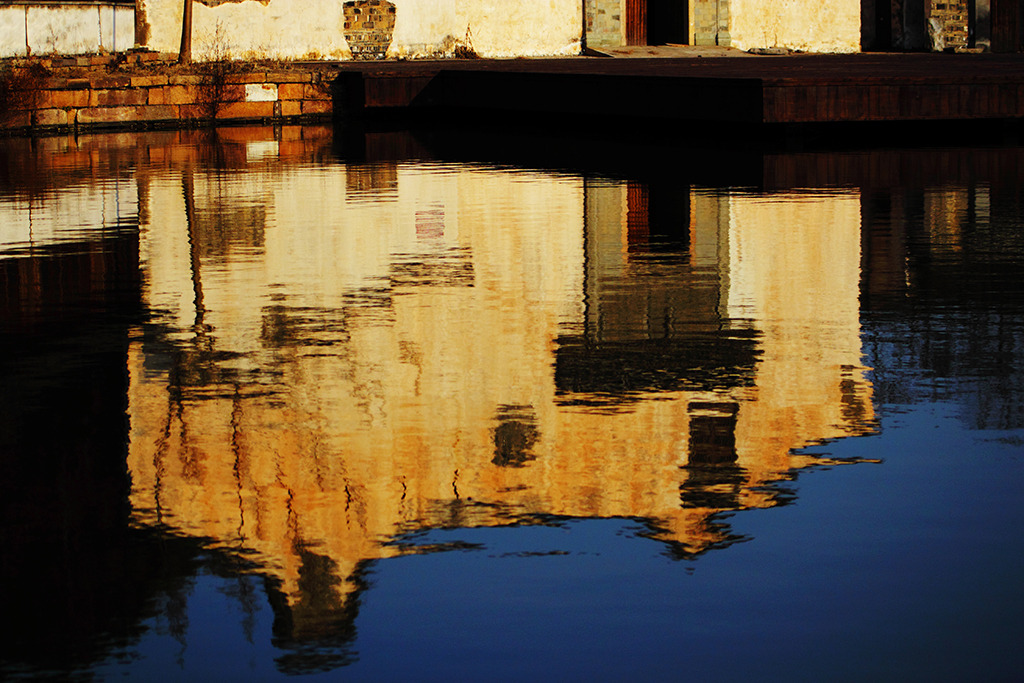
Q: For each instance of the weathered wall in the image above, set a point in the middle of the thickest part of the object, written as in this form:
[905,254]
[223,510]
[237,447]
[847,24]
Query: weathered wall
[288,29]
[50,29]
[805,25]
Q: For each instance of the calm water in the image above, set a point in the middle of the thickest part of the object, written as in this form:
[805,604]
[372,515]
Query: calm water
[306,402]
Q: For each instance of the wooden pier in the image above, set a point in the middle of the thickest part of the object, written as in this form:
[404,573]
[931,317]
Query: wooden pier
[791,89]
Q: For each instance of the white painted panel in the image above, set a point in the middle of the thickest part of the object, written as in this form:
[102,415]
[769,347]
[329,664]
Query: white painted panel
[117,28]
[12,32]
[125,28]
[66,30]
[261,92]
[63,30]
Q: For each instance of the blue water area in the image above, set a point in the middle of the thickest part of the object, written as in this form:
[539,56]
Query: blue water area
[907,569]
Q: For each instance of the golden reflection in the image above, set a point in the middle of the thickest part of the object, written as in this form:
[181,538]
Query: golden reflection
[326,371]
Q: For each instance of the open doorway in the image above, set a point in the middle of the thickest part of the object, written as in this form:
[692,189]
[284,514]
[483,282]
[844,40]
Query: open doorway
[668,21]
[657,22]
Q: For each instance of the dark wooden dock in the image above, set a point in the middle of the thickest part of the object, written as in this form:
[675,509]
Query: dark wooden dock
[792,89]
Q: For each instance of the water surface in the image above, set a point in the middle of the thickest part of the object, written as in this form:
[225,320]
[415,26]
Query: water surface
[312,402]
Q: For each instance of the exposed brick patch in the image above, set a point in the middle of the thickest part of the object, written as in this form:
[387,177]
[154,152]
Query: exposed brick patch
[949,24]
[369,27]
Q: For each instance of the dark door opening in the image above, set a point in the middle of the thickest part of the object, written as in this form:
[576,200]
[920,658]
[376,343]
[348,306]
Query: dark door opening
[883,25]
[1007,25]
[668,21]
[657,22]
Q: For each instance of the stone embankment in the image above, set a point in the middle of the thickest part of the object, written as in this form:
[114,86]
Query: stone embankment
[149,90]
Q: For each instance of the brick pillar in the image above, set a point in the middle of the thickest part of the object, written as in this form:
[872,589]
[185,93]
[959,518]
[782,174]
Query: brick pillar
[369,27]
[711,22]
[947,24]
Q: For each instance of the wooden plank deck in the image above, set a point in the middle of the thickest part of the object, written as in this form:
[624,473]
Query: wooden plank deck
[769,89]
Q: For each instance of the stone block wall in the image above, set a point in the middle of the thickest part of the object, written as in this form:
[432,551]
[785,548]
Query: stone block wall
[711,22]
[74,96]
[604,23]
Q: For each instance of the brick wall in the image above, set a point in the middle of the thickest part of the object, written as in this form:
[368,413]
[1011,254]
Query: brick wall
[948,20]
[369,27]
[74,97]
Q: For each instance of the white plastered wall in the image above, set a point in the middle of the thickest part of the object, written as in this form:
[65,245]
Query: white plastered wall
[65,30]
[804,25]
[293,29]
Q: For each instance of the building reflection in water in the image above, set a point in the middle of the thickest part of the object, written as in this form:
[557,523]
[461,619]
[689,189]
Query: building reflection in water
[340,354]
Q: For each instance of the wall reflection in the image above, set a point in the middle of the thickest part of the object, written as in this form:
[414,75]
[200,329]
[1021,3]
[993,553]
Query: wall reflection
[949,256]
[342,353]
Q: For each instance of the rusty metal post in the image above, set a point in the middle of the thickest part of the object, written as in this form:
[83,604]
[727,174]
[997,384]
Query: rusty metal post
[583,33]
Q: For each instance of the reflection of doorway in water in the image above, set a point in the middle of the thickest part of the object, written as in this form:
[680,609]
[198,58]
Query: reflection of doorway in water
[514,436]
[714,480]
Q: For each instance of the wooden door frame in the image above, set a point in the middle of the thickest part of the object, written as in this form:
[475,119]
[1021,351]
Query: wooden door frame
[636,22]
